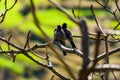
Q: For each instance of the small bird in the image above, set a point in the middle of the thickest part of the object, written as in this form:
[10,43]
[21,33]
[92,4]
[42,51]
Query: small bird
[59,35]
[68,35]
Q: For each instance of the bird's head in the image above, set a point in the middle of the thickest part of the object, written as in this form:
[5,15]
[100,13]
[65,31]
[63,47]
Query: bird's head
[58,27]
[64,26]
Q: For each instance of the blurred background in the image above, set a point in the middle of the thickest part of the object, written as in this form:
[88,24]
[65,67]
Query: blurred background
[19,20]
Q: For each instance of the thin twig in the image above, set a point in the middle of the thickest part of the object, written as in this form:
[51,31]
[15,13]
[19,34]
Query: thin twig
[112,12]
[11,54]
[3,16]
[6,10]
[9,41]
[13,45]
[106,2]
[27,44]
[47,38]
[12,5]
[117,5]
[36,21]
[36,46]
[110,41]
[5,4]
[115,78]
[1,48]
[97,45]
[52,77]
[103,55]
[104,7]
[46,66]
[36,54]
[116,26]
[98,25]
[60,8]
[47,58]
[73,12]
[27,41]
[23,51]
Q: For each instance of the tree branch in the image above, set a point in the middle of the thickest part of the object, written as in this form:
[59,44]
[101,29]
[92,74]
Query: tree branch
[3,14]
[107,67]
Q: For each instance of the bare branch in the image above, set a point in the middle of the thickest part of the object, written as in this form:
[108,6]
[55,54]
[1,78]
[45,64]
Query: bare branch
[116,26]
[107,57]
[9,41]
[23,51]
[106,50]
[52,77]
[6,10]
[87,68]
[97,45]
[85,49]
[37,55]
[115,78]
[1,48]
[3,16]
[110,41]
[92,65]
[59,7]
[47,58]
[47,38]
[69,50]
[103,55]
[6,41]
[106,2]
[97,21]
[104,6]
[112,12]
[36,21]
[5,4]
[12,6]
[46,66]
[107,67]
[117,5]
[73,12]
[27,41]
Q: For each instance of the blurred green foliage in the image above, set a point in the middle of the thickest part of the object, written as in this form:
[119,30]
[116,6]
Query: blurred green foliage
[14,67]
[49,18]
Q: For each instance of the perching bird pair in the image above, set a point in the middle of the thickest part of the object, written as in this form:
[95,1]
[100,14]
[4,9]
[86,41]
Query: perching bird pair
[61,34]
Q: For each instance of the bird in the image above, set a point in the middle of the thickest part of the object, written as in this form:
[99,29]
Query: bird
[68,35]
[59,35]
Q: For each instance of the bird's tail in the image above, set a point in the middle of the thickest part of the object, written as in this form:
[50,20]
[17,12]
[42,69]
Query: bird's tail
[73,44]
[64,53]
[63,43]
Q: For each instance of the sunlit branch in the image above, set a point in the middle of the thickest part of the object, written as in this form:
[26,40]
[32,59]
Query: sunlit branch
[69,50]
[107,67]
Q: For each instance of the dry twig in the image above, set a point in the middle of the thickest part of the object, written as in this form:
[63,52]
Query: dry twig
[3,14]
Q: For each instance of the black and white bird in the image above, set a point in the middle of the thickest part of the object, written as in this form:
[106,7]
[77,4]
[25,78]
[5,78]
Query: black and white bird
[59,35]
[68,35]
